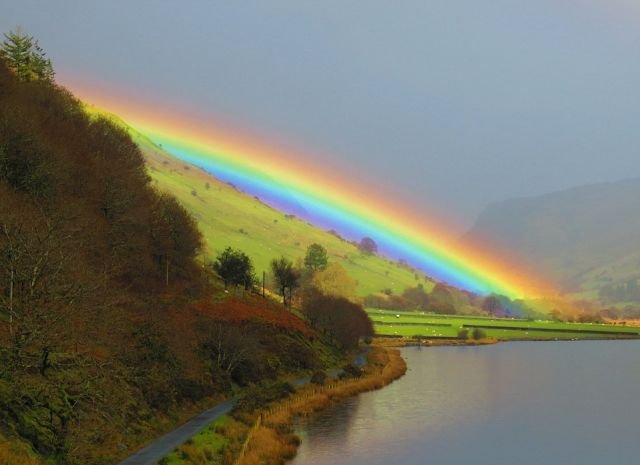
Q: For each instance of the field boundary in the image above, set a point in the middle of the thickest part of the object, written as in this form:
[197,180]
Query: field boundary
[555,330]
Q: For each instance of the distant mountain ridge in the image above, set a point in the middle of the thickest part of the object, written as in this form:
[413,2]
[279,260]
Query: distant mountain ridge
[586,238]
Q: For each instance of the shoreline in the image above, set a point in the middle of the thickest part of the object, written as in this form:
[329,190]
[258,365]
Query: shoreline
[400,342]
[271,439]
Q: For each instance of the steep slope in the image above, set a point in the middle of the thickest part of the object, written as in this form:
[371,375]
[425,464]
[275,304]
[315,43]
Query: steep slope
[229,217]
[111,332]
[586,237]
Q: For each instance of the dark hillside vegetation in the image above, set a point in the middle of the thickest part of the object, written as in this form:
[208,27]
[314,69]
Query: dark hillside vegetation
[109,326]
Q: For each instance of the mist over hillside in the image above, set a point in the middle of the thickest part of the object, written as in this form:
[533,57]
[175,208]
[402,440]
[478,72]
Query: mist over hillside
[586,238]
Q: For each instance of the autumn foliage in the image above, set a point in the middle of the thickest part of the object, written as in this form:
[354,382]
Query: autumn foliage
[108,326]
[343,321]
[254,309]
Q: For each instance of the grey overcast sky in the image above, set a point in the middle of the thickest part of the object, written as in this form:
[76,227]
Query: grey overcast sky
[453,103]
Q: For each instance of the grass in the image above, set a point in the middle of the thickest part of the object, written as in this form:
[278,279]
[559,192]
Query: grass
[229,217]
[410,324]
[273,441]
[203,448]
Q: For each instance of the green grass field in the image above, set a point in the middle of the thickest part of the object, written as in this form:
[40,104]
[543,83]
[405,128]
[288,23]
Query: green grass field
[206,446]
[409,324]
[228,217]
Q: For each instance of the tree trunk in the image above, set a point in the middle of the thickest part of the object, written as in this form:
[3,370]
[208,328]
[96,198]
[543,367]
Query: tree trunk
[11,302]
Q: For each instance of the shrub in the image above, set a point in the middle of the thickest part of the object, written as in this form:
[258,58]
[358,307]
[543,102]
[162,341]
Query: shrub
[318,377]
[351,371]
[344,321]
[261,396]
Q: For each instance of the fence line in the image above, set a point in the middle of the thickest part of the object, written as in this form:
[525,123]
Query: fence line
[393,368]
[245,444]
[299,397]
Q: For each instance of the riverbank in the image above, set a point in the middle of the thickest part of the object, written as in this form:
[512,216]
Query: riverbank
[399,342]
[454,402]
[271,440]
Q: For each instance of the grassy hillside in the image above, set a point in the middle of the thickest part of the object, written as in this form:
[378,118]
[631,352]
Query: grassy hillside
[585,238]
[229,217]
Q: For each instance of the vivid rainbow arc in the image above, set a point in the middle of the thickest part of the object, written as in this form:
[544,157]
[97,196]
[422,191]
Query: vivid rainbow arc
[355,211]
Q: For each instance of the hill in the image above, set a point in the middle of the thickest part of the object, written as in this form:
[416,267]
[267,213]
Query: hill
[586,238]
[228,217]
[111,331]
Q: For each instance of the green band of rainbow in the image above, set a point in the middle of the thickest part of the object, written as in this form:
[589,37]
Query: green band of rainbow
[291,184]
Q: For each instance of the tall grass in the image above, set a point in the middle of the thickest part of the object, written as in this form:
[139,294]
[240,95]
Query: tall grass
[272,442]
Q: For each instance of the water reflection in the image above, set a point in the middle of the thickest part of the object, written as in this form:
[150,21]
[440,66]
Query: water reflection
[524,403]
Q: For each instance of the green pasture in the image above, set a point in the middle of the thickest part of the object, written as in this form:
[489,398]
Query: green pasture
[229,217]
[409,324]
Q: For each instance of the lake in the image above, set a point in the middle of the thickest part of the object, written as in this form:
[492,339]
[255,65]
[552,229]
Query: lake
[520,403]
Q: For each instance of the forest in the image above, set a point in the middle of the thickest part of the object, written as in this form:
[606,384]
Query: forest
[112,327]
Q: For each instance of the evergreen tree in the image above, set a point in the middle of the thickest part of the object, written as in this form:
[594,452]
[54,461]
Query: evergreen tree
[235,268]
[25,58]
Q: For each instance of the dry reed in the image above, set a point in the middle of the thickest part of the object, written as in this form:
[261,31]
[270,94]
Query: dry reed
[271,441]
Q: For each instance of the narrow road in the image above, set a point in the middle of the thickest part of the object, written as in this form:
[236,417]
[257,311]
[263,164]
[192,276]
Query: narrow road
[165,444]
[151,454]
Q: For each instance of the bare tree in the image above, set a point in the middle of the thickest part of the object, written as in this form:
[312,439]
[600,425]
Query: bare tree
[226,346]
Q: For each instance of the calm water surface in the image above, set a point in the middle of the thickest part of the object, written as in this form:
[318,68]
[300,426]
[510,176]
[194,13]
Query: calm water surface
[552,403]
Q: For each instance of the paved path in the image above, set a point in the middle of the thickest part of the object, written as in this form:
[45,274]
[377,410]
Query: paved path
[165,444]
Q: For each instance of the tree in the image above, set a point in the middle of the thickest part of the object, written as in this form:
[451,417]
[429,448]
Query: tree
[316,258]
[80,228]
[227,347]
[286,276]
[25,58]
[368,246]
[47,299]
[235,268]
[493,305]
[441,300]
[175,239]
[417,297]
[335,281]
[342,320]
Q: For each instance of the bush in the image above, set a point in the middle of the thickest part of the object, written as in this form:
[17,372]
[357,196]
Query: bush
[477,333]
[350,371]
[189,389]
[344,321]
[463,334]
[260,396]
[318,377]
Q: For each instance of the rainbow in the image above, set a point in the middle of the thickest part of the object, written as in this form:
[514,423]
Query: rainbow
[295,184]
